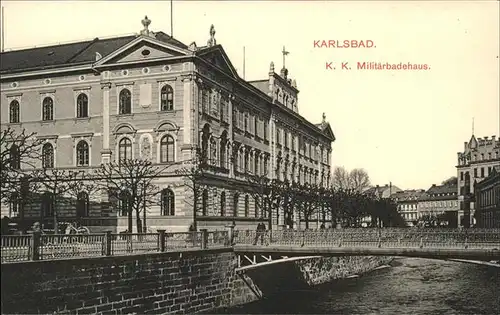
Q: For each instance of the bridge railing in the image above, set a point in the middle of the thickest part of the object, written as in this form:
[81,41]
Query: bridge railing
[370,237]
[48,247]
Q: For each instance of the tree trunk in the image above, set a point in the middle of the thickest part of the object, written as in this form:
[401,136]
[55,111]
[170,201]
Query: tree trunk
[54,208]
[138,222]
[129,214]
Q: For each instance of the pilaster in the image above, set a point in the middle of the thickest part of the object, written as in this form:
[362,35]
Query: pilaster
[106,151]
[187,109]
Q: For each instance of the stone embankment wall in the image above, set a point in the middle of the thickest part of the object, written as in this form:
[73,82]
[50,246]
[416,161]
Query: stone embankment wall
[182,282]
[272,279]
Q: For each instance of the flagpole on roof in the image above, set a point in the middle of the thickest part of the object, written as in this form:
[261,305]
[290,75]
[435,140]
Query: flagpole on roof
[3,36]
[243,62]
[171,18]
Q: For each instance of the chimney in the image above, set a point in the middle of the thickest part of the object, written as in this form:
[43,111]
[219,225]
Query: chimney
[465,146]
[493,138]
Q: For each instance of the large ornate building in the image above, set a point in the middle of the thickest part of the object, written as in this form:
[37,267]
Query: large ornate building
[151,96]
[475,163]
[487,198]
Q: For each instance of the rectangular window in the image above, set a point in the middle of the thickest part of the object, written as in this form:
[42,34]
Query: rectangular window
[475,172]
[482,171]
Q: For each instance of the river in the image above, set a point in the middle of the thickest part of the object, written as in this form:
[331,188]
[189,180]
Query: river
[409,286]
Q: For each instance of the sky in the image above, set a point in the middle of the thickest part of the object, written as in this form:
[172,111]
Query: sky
[404,127]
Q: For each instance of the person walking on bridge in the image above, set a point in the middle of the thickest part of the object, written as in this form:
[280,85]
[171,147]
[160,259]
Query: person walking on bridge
[259,233]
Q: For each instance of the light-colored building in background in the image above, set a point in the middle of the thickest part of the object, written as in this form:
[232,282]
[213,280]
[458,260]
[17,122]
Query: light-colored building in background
[475,163]
[440,200]
[385,191]
[407,203]
[150,96]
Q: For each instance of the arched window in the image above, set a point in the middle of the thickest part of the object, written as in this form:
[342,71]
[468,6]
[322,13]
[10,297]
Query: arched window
[124,150]
[124,203]
[82,153]
[247,207]
[235,204]
[47,204]
[15,157]
[222,150]
[82,106]
[14,111]
[47,109]
[167,202]
[204,143]
[223,204]
[204,202]
[167,149]
[213,151]
[82,204]
[125,102]
[167,98]
[47,156]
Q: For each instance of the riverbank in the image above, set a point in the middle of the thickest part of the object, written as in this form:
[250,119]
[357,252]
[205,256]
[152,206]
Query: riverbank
[410,286]
[302,275]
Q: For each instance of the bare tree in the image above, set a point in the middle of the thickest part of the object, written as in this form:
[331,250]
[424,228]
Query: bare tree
[17,149]
[83,190]
[193,171]
[134,180]
[341,178]
[359,179]
[54,183]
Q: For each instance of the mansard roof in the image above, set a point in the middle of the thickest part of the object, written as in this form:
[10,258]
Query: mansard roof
[70,54]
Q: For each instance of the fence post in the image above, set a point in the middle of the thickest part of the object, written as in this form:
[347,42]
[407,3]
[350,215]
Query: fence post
[230,234]
[421,242]
[466,245]
[161,240]
[108,240]
[35,245]
[204,238]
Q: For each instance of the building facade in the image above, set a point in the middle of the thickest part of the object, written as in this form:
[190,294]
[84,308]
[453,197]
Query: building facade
[149,96]
[385,191]
[407,203]
[487,198]
[475,163]
[440,201]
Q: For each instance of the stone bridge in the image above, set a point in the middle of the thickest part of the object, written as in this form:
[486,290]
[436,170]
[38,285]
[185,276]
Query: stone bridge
[257,249]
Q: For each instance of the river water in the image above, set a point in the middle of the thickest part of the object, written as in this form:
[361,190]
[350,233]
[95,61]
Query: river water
[409,286]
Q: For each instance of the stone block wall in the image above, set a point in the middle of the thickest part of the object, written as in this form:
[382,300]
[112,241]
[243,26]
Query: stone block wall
[272,279]
[174,283]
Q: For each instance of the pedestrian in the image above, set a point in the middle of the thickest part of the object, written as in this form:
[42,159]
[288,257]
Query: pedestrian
[259,233]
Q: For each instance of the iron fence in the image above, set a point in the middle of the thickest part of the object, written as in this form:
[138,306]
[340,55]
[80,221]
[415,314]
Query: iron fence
[46,247]
[372,237]
[39,246]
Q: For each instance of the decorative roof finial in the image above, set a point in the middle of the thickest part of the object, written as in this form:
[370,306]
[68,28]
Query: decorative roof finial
[271,67]
[212,42]
[145,22]
[324,118]
[284,52]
